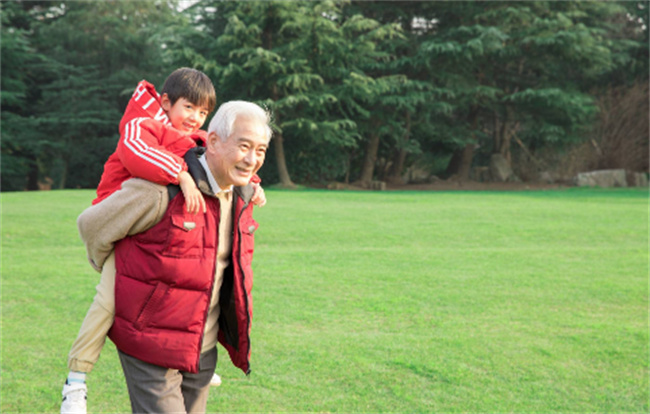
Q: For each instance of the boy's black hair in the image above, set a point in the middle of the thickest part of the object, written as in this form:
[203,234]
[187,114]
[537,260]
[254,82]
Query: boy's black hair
[191,84]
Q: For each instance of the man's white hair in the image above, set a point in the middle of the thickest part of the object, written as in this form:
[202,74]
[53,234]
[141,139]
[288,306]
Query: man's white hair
[224,120]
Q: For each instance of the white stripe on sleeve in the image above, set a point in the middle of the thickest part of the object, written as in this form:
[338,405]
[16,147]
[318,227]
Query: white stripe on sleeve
[152,155]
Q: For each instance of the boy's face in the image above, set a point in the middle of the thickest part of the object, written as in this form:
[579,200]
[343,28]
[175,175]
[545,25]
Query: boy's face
[184,115]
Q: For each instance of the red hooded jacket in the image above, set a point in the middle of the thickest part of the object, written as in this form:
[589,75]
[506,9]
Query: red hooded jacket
[149,147]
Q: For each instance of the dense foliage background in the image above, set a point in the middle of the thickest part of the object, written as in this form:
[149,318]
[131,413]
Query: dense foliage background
[360,91]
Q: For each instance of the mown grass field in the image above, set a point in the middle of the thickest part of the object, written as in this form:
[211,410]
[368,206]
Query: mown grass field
[413,302]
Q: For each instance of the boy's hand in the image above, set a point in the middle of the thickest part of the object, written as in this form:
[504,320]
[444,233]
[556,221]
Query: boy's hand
[259,199]
[194,202]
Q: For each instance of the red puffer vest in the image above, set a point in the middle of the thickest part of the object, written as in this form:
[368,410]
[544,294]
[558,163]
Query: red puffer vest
[165,278]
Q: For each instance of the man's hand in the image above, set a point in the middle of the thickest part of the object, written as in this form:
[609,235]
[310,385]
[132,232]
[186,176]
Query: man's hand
[194,202]
[259,199]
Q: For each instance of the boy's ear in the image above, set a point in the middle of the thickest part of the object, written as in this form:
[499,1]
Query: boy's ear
[165,102]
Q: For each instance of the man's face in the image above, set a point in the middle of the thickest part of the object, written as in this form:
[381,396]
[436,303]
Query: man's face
[184,115]
[235,160]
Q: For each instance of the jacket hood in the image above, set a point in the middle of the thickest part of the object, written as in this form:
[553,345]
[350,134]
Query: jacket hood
[144,103]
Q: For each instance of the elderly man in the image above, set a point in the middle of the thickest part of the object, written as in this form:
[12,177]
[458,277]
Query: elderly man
[185,284]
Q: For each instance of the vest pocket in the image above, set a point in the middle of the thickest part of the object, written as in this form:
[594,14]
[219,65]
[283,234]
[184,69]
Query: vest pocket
[248,239]
[150,306]
[185,238]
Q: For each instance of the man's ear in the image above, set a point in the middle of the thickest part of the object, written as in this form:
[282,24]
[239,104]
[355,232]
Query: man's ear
[165,102]
[213,140]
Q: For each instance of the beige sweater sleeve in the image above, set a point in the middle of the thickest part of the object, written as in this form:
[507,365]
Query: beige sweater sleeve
[136,207]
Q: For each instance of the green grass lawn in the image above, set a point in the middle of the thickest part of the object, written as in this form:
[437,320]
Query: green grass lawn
[530,302]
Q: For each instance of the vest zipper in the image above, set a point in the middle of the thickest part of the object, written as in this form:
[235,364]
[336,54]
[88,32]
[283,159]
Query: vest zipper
[207,310]
[243,287]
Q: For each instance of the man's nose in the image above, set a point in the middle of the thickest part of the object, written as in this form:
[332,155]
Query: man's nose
[250,158]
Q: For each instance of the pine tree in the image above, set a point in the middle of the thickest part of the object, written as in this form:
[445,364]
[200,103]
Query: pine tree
[306,63]
[522,66]
[83,62]
[23,144]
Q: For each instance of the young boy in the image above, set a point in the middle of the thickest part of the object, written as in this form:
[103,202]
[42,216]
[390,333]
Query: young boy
[155,132]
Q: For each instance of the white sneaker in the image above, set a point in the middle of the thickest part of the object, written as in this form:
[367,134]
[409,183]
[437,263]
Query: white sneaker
[215,381]
[74,398]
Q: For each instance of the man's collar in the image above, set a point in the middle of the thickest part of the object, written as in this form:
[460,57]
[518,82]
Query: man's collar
[214,186]
[200,175]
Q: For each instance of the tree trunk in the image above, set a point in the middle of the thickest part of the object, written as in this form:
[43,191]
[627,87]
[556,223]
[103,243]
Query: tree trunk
[278,139]
[395,174]
[461,160]
[347,169]
[64,175]
[467,155]
[504,131]
[280,160]
[369,159]
[32,175]
[497,133]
